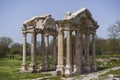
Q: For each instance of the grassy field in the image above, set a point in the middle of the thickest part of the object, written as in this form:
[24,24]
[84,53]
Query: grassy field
[9,69]
[109,64]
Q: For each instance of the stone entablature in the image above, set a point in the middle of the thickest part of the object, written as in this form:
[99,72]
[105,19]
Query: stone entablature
[40,24]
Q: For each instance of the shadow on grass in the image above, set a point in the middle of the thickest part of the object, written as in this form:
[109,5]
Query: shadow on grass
[102,68]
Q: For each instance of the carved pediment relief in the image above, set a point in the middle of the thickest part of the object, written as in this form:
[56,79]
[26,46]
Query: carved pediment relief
[82,17]
[83,21]
[49,23]
[40,22]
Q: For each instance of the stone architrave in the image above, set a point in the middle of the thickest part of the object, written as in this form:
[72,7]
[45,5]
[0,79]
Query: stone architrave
[33,53]
[23,65]
[93,53]
[68,67]
[60,65]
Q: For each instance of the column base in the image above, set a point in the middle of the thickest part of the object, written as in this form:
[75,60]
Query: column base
[68,70]
[77,69]
[60,70]
[87,68]
[54,65]
[46,65]
[42,67]
[32,68]
[94,68]
[23,67]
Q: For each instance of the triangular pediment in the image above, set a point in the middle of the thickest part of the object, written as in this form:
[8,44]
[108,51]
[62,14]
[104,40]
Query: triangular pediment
[82,17]
[40,22]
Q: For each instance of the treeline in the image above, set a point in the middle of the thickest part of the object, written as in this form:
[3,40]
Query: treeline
[103,46]
[112,44]
[7,46]
[10,48]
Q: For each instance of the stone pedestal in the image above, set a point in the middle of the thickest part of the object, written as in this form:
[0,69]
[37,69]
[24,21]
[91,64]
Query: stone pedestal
[32,67]
[23,67]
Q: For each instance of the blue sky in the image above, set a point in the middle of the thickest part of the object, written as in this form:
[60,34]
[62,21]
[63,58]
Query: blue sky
[14,12]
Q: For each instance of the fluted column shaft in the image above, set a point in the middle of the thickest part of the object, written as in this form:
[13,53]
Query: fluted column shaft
[42,62]
[78,52]
[93,53]
[54,52]
[47,50]
[68,68]
[60,64]
[87,60]
[33,53]
[23,66]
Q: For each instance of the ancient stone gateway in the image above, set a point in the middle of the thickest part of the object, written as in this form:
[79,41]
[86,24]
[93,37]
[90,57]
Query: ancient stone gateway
[84,27]
[44,25]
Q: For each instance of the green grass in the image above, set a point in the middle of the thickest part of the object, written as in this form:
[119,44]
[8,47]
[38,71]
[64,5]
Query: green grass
[109,64]
[116,73]
[9,70]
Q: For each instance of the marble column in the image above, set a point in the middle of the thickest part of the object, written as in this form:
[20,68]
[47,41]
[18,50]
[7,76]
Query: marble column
[78,53]
[87,59]
[82,52]
[54,52]
[60,56]
[23,65]
[33,53]
[93,53]
[68,67]
[42,49]
[47,51]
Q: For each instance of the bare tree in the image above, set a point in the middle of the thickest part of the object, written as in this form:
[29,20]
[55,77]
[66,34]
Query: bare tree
[114,34]
[114,31]
[4,45]
[5,41]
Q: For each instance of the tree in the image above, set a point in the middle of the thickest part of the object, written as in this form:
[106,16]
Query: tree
[3,50]
[16,48]
[114,35]
[5,41]
[4,45]
[114,31]
[100,45]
